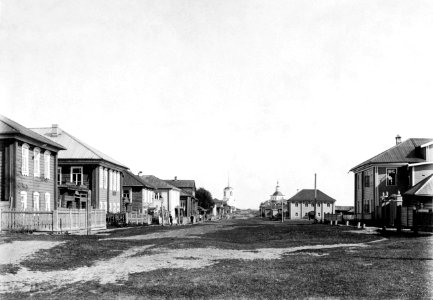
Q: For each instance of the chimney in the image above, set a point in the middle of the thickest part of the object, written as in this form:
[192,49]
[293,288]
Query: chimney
[55,130]
[397,139]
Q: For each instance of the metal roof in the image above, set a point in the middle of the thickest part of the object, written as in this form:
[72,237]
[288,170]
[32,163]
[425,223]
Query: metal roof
[181,183]
[308,195]
[75,149]
[131,179]
[9,127]
[277,193]
[158,183]
[422,188]
[404,152]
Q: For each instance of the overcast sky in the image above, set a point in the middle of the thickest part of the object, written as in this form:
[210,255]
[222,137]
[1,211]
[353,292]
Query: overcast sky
[205,89]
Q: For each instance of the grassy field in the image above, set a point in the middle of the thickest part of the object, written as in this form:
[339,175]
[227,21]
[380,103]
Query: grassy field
[247,259]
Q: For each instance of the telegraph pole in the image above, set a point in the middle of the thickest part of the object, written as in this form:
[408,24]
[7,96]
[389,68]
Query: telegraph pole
[315,197]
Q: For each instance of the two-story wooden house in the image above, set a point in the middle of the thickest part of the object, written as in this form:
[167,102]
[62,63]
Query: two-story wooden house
[188,201]
[401,170]
[138,194]
[85,173]
[307,201]
[28,163]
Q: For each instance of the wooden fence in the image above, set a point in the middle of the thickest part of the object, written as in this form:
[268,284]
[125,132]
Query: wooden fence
[138,218]
[60,220]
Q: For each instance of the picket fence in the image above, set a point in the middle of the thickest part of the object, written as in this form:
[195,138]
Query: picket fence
[61,220]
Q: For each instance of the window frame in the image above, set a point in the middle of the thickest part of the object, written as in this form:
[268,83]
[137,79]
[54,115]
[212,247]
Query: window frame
[81,173]
[36,162]
[47,164]
[25,159]
[59,175]
[47,201]
[23,203]
[36,204]
[395,177]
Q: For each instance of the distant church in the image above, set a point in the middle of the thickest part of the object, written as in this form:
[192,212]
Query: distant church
[229,197]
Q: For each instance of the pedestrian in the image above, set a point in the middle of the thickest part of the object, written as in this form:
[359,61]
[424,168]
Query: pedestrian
[171,219]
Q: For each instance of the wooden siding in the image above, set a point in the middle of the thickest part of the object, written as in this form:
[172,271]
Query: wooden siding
[31,184]
[2,171]
[421,172]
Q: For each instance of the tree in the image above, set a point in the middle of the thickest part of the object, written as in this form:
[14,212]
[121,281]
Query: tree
[204,198]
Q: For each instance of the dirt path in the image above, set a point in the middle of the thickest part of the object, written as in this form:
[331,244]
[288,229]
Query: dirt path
[17,251]
[145,259]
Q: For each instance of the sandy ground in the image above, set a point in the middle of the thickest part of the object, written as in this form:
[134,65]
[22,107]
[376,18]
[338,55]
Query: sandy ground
[117,269]
[15,252]
[189,232]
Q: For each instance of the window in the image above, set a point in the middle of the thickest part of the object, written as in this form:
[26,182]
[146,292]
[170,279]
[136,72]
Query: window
[367,181]
[36,162]
[101,177]
[59,175]
[35,201]
[23,198]
[110,175]
[77,175]
[328,205]
[306,214]
[47,201]
[318,204]
[391,176]
[47,174]
[25,160]
[296,204]
[358,179]
[296,214]
[318,214]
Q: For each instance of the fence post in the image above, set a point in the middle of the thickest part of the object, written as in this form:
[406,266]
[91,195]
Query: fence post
[1,220]
[70,219]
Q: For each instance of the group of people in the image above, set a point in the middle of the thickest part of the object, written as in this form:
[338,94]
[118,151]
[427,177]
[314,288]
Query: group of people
[200,218]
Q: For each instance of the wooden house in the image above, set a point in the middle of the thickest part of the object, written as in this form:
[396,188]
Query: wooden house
[28,164]
[138,194]
[307,201]
[188,201]
[85,174]
[399,172]
[168,194]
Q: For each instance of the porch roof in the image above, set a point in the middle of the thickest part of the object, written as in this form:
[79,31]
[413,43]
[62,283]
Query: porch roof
[423,188]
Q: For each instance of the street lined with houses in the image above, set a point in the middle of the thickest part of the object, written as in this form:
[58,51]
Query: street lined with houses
[259,259]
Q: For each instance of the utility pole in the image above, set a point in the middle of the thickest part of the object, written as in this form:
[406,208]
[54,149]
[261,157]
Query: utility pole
[315,197]
[282,210]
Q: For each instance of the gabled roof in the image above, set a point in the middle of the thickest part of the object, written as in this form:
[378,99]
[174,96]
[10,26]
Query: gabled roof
[423,188]
[9,128]
[159,183]
[75,149]
[308,195]
[131,179]
[404,152]
[182,183]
